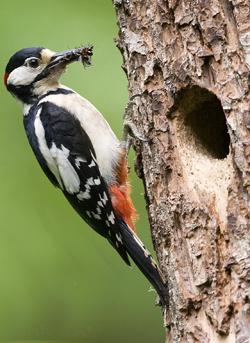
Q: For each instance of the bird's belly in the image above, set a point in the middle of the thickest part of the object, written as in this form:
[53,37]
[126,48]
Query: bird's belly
[107,149]
[106,145]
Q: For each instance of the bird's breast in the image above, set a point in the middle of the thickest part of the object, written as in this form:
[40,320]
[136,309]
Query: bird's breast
[106,145]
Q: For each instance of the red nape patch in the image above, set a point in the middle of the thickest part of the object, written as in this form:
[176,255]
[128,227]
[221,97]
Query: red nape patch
[5,78]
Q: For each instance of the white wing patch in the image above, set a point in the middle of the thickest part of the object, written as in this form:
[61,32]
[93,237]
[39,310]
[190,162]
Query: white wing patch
[86,194]
[103,198]
[92,164]
[99,203]
[96,215]
[88,214]
[89,182]
[106,145]
[98,210]
[111,218]
[67,172]
[40,133]
[118,237]
[58,163]
[78,160]
[97,181]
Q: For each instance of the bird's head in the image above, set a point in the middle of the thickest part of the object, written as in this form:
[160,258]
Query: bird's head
[31,72]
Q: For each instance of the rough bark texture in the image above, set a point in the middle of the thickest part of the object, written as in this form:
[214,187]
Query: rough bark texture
[187,63]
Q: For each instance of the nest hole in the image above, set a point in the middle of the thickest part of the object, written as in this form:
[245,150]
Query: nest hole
[204,121]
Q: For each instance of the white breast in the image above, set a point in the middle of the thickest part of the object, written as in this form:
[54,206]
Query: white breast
[105,143]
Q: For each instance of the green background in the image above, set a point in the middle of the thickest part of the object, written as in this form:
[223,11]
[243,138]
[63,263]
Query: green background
[59,279]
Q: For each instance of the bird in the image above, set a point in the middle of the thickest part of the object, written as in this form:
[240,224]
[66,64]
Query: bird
[78,151]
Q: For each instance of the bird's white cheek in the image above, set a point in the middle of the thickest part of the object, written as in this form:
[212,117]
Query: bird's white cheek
[22,76]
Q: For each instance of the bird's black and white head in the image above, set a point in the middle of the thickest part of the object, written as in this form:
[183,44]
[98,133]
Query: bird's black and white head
[32,72]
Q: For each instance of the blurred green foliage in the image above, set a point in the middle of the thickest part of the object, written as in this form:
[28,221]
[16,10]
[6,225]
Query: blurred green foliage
[59,280]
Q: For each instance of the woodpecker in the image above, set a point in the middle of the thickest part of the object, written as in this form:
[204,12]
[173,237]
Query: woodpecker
[78,151]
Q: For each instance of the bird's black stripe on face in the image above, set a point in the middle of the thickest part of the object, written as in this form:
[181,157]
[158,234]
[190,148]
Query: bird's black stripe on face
[26,93]
[18,59]
[56,91]
[22,92]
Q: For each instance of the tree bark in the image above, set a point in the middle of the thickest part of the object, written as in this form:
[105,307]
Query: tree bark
[187,63]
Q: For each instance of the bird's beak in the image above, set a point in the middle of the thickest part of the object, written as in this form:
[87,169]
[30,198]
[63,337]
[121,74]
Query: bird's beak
[82,54]
[60,60]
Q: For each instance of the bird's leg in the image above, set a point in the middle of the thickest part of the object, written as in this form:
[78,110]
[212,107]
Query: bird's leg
[131,132]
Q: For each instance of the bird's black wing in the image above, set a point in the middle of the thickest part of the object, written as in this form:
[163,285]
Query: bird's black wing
[81,180]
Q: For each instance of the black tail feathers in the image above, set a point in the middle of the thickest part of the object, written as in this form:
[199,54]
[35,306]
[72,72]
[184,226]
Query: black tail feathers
[144,262]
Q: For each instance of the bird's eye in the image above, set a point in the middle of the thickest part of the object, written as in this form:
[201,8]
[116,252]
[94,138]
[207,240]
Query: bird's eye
[32,62]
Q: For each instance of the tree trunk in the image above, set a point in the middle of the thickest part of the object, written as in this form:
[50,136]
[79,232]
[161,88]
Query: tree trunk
[187,63]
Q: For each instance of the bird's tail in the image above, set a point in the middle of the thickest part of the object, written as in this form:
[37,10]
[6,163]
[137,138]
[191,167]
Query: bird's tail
[144,261]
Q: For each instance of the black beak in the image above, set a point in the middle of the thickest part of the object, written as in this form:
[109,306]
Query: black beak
[61,59]
[82,54]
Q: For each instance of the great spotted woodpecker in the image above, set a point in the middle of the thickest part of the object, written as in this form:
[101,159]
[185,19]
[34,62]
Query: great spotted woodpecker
[78,151]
